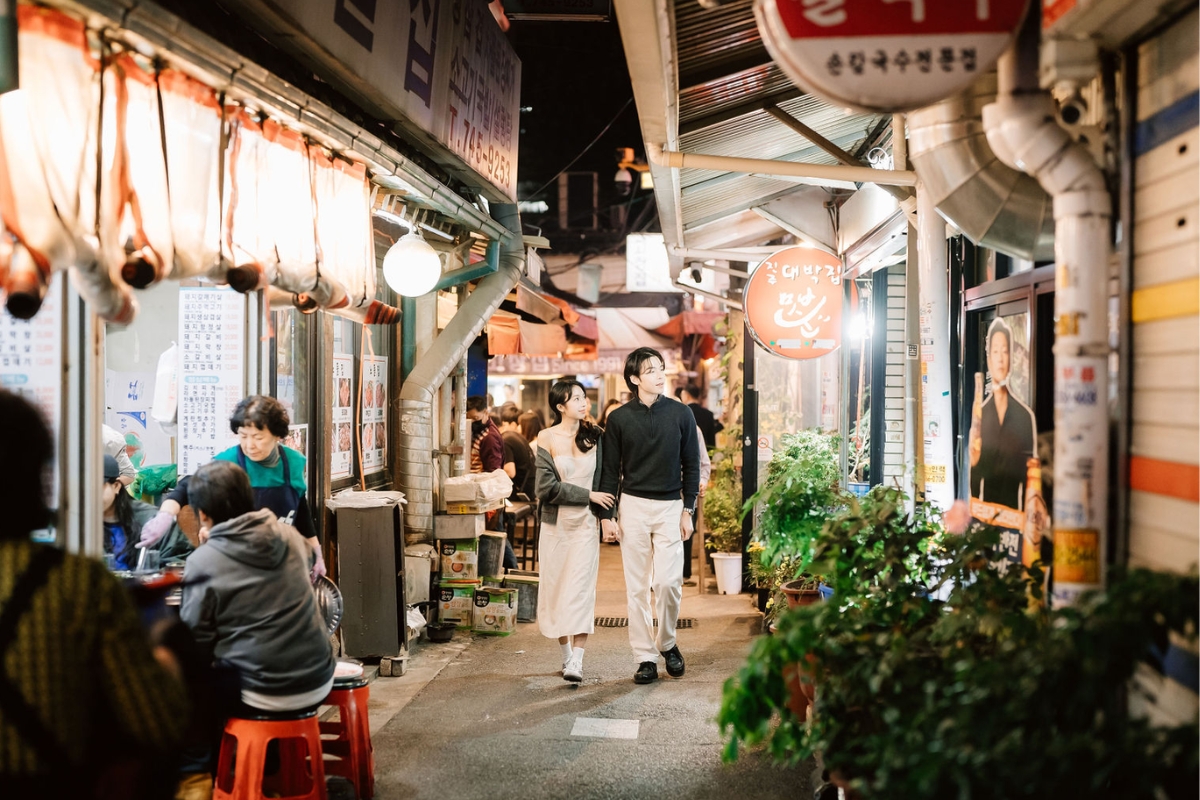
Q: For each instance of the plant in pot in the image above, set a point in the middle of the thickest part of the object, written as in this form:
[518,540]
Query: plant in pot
[722,506]
[942,674]
[797,495]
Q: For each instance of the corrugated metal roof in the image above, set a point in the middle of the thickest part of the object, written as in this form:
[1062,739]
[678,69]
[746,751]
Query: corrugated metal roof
[726,76]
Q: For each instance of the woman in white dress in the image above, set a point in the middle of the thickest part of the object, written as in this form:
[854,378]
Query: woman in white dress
[568,481]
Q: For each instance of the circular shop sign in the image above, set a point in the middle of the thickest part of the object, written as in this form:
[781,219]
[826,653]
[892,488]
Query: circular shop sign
[793,303]
[887,55]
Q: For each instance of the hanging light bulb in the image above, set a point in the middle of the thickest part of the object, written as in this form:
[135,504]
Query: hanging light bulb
[411,267]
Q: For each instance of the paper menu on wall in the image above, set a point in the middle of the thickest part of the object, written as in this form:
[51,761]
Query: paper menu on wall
[373,432]
[212,380]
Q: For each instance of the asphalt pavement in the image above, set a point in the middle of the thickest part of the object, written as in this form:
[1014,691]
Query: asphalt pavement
[491,718]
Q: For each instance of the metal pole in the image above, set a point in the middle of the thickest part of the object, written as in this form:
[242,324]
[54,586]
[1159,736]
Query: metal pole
[914,450]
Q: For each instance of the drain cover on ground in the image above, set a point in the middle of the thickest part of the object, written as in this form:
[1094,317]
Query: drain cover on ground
[623,622]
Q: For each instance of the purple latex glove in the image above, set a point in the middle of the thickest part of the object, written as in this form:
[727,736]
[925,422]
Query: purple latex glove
[155,529]
[318,570]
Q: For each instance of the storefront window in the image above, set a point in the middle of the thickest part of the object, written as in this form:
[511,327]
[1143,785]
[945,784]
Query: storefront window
[292,385]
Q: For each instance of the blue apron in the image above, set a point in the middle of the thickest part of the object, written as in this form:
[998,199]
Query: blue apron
[284,500]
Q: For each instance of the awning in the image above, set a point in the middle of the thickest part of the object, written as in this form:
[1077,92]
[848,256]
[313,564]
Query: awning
[618,330]
[694,331]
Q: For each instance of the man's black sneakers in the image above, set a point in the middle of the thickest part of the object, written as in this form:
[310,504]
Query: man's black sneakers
[647,672]
[674,662]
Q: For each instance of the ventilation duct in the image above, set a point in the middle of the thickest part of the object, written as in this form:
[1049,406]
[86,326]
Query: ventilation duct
[416,452]
[994,205]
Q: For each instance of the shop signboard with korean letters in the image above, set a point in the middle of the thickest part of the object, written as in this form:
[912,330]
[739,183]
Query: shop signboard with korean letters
[887,55]
[793,303]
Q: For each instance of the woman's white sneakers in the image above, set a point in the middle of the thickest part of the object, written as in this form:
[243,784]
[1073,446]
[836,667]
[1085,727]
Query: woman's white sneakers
[573,669]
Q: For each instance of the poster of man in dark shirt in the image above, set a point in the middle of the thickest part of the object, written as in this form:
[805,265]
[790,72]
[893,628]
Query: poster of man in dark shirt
[1005,471]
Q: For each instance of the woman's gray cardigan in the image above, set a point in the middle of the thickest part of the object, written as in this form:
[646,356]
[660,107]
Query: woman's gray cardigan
[552,492]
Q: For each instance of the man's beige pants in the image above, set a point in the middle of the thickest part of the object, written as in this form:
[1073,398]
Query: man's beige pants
[652,553]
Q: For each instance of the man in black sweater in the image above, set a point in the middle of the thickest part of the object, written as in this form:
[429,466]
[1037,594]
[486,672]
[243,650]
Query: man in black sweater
[652,462]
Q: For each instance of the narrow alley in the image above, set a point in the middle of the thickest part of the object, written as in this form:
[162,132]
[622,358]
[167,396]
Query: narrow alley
[492,718]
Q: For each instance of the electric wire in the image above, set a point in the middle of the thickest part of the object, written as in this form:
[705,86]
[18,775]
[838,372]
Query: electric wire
[583,152]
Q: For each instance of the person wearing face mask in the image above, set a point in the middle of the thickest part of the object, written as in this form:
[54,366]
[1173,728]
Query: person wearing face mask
[124,519]
[276,474]
[1003,435]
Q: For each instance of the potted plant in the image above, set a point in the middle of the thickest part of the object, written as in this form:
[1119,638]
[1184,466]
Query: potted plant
[797,495]
[941,673]
[722,506]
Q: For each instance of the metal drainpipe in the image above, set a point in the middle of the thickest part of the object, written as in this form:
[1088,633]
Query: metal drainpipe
[1022,130]
[415,443]
[408,336]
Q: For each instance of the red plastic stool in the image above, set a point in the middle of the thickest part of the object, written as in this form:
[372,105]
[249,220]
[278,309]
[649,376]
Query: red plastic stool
[351,734]
[243,758]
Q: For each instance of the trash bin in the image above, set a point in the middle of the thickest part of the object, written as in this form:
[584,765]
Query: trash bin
[368,530]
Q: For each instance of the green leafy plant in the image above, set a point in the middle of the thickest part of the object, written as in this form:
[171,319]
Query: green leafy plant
[723,500]
[940,674]
[796,497]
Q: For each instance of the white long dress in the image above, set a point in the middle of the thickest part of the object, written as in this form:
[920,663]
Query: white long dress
[569,555]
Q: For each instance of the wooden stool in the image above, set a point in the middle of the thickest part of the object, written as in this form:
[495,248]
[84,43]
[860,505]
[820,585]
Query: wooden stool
[243,758]
[351,743]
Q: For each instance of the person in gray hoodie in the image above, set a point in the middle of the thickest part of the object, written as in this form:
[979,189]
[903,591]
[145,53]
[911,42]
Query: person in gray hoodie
[247,596]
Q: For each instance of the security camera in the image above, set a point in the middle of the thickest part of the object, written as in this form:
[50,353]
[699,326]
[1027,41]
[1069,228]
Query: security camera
[697,277]
[1073,109]
[623,182]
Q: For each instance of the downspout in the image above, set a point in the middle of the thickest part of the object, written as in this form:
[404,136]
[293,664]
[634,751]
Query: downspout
[415,444]
[1022,129]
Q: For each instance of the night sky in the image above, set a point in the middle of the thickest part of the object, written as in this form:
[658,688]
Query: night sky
[574,77]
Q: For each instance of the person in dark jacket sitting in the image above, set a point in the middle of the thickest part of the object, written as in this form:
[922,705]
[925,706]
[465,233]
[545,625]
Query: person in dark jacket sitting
[247,596]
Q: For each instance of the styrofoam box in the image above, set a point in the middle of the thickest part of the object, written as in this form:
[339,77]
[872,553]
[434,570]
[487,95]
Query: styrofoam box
[456,603]
[495,611]
[460,558]
[458,526]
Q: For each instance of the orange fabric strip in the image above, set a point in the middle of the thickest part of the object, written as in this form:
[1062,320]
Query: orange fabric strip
[1166,478]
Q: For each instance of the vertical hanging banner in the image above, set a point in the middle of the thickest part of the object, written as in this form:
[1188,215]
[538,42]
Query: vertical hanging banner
[31,365]
[793,303]
[887,55]
[374,414]
[342,436]
[936,406]
[212,367]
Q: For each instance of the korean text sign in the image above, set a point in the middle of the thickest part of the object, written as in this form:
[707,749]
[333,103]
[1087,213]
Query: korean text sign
[887,55]
[793,303]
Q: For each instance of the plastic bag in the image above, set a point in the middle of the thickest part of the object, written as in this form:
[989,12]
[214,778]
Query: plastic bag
[165,389]
[481,487]
[154,480]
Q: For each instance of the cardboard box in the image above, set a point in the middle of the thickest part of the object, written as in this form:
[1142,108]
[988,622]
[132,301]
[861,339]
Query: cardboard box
[460,559]
[455,509]
[495,611]
[455,603]
[458,526]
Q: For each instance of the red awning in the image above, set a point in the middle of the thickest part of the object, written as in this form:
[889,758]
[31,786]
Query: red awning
[689,323]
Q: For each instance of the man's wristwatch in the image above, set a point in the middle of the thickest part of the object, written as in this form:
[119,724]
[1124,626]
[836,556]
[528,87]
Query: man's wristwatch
[691,510]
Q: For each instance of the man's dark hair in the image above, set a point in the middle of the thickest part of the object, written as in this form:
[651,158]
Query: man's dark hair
[693,390]
[221,489]
[477,403]
[678,392]
[636,360]
[26,450]
[1001,327]
[509,413]
[262,412]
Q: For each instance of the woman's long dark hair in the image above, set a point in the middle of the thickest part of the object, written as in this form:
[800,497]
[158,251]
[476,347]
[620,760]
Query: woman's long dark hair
[123,509]
[560,393]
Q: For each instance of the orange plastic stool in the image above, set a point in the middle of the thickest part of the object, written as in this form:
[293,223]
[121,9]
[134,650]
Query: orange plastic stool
[351,742]
[243,759]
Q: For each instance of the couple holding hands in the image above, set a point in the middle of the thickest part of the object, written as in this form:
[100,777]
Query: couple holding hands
[643,467]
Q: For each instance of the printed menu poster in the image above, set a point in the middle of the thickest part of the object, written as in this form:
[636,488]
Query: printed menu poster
[31,365]
[212,330]
[130,396]
[374,414]
[342,416]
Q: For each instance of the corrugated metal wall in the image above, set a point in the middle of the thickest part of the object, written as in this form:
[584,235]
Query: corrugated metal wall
[1164,465]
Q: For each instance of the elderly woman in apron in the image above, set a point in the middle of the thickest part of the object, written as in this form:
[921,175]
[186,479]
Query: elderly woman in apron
[276,473]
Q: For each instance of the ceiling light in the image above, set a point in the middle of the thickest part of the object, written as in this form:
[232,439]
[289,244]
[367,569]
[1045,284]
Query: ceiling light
[411,267]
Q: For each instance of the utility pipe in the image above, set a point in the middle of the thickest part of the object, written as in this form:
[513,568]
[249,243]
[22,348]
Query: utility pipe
[416,452]
[789,169]
[1022,129]
[408,336]
[474,271]
[735,273]
[711,295]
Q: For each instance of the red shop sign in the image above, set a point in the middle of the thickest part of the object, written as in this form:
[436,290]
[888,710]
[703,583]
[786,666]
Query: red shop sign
[887,55]
[793,303]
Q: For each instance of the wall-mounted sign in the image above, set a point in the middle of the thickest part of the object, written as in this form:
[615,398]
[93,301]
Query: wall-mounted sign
[887,55]
[647,268]
[442,69]
[212,327]
[793,303]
